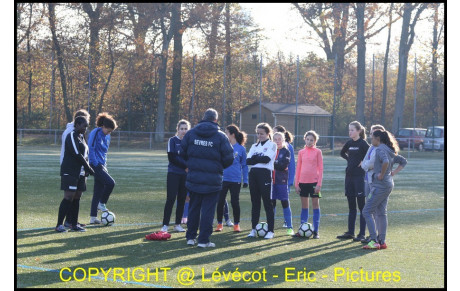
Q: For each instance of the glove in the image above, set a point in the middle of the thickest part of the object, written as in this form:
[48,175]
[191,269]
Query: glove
[245,185]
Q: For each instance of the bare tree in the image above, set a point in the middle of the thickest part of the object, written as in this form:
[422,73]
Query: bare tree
[57,47]
[406,41]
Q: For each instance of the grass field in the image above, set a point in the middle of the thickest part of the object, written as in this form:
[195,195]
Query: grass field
[415,257]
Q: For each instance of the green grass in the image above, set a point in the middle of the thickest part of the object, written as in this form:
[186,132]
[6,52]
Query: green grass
[415,238]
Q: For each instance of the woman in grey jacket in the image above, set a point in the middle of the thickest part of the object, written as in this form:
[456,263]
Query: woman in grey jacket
[386,155]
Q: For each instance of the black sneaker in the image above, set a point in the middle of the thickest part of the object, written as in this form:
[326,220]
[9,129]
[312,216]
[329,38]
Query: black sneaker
[78,228]
[346,235]
[360,237]
[366,240]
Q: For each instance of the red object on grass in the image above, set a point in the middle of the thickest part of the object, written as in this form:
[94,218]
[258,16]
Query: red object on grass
[159,235]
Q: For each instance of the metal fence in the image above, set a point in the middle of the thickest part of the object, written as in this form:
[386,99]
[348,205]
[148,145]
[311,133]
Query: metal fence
[122,140]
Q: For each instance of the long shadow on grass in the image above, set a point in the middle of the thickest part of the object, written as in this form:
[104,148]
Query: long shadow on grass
[314,258]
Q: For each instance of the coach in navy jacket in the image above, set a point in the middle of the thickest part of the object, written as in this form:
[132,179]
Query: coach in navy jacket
[207,152]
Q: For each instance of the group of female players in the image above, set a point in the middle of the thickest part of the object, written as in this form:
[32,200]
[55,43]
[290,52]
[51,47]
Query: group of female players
[273,172]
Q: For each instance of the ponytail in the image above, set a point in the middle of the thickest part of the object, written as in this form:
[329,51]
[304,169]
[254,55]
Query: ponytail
[388,139]
[288,137]
[359,127]
[240,136]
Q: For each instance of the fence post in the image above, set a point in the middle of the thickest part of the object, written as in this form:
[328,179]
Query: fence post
[119,140]
[408,148]
[150,140]
[20,137]
[333,145]
[55,136]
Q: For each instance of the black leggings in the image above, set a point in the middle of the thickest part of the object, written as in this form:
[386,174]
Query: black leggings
[234,188]
[361,201]
[260,186]
[175,186]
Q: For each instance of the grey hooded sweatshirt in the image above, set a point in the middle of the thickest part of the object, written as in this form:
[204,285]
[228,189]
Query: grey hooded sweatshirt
[383,154]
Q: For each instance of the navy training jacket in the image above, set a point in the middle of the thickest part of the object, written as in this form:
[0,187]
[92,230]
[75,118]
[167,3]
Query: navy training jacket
[207,152]
[282,161]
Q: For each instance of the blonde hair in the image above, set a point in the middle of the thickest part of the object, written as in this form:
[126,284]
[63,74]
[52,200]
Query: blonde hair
[282,138]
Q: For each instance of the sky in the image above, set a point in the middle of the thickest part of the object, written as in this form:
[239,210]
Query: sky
[286,31]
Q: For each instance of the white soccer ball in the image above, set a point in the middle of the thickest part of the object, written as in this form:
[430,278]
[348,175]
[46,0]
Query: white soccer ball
[107,218]
[261,229]
[306,230]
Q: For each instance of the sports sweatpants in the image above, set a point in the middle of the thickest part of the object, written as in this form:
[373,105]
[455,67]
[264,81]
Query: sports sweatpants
[260,187]
[201,214]
[375,210]
[103,187]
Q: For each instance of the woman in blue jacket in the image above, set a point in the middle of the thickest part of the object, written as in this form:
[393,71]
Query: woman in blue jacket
[232,177]
[99,142]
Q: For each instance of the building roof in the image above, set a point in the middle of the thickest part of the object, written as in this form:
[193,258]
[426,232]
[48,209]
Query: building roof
[288,109]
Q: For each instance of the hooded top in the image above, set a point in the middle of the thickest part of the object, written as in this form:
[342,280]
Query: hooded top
[383,154]
[207,153]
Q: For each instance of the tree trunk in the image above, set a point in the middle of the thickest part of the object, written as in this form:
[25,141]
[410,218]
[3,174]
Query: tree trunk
[229,107]
[177,69]
[385,68]
[29,65]
[434,66]
[361,82]
[95,55]
[406,40]
[52,19]
[160,118]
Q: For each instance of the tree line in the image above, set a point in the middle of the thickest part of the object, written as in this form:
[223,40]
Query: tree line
[128,59]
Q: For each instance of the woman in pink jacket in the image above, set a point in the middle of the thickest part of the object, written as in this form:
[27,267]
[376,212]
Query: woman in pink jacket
[308,179]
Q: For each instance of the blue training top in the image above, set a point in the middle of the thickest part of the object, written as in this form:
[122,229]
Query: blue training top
[98,144]
[233,173]
[176,162]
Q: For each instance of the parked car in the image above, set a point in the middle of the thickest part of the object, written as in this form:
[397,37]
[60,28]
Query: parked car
[415,135]
[434,138]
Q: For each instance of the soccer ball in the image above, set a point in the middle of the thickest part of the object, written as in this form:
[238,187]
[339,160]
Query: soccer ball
[261,229]
[306,230]
[107,218]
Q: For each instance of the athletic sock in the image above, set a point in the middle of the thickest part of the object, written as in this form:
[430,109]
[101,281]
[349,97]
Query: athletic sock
[304,215]
[316,219]
[63,210]
[185,215]
[74,210]
[288,216]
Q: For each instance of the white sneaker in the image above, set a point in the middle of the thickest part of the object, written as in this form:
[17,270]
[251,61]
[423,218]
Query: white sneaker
[191,242]
[269,235]
[208,245]
[94,220]
[285,225]
[164,228]
[102,207]
[252,233]
[179,228]
[229,223]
